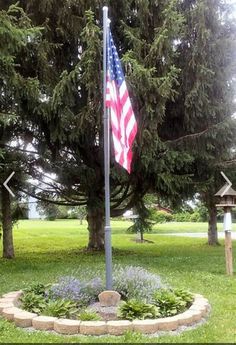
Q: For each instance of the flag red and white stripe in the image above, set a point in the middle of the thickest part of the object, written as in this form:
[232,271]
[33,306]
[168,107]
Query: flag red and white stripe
[123,122]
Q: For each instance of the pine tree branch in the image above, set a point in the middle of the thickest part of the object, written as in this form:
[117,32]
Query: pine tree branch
[58,190]
[50,200]
[124,194]
[229,162]
[114,206]
[194,135]
[113,195]
[131,204]
[18,149]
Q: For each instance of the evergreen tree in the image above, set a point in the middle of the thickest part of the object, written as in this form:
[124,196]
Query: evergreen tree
[205,105]
[69,116]
[15,33]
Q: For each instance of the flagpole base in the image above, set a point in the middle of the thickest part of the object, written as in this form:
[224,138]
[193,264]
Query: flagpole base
[108,255]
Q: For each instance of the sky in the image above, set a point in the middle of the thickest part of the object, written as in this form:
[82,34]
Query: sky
[234,3]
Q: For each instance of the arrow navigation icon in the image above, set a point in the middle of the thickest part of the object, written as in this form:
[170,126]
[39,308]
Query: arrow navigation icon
[6,182]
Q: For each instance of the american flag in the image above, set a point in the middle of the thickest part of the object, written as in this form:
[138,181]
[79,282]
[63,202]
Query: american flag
[123,123]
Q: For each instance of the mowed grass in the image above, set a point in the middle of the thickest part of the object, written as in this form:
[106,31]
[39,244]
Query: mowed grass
[47,250]
[187,227]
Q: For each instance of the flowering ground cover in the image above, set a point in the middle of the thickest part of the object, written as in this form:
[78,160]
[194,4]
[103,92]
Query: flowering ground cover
[143,296]
[46,251]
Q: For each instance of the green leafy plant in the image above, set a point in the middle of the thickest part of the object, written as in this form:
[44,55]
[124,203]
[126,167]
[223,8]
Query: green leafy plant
[89,315]
[195,217]
[135,309]
[32,302]
[160,216]
[185,295]
[60,308]
[36,288]
[182,217]
[168,302]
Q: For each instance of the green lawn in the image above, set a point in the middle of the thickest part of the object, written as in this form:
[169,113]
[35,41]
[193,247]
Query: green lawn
[46,250]
[185,227]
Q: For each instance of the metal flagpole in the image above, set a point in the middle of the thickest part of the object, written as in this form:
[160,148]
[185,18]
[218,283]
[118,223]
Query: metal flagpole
[106,124]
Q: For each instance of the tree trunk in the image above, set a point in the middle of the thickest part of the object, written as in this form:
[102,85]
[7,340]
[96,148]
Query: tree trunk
[212,226]
[8,247]
[81,221]
[95,218]
[141,236]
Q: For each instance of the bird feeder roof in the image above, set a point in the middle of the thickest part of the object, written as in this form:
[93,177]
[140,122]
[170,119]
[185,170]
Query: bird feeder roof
[230,192]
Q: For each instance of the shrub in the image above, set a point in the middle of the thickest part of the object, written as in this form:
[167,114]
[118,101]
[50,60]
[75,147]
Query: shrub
[60,308]
[203,212]
[32,302]
[36,288]
[168,302]
[135,309]
[195,217]
[89,315]
[182,217]
[129,281]
[135,282]
[161,216]
[78,291]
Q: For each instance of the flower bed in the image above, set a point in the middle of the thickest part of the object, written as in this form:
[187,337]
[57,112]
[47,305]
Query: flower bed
[71,305]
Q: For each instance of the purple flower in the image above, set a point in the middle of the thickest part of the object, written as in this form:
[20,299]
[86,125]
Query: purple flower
[135,282]
[71,288]
[129,281]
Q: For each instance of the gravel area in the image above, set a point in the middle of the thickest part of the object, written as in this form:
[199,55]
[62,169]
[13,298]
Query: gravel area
[107,313]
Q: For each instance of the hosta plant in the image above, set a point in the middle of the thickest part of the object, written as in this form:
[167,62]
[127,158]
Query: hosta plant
[61,309]
[89,315]
[32,302]
[36,288]
[136,309]
[186,296]
[168,303]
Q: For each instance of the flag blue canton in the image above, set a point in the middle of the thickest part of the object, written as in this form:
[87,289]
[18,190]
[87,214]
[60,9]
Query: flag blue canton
[114,64]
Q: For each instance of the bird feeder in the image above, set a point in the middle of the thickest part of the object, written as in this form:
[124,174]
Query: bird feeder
[227,200]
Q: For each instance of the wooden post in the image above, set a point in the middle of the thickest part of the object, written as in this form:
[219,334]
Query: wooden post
[227,200]
[228,241]
[228,253]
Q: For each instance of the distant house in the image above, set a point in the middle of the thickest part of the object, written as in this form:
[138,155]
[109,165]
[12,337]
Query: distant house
[129,214]
[162,208]
[33,213]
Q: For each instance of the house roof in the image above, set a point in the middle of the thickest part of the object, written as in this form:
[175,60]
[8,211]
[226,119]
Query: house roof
[162,208]
[230,192]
